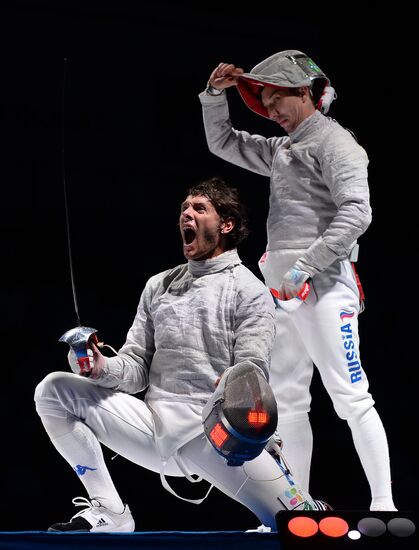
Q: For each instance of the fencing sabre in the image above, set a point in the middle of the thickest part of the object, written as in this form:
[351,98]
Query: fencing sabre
[79,338]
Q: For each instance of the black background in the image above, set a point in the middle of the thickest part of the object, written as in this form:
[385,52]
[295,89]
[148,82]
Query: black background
[133,143]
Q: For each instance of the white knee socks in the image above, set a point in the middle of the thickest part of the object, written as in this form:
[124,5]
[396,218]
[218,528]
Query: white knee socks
[297,438]
[79,446]
[371,445]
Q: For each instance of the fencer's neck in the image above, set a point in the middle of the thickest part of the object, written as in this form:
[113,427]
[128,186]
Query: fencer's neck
[197,268]
[308,125]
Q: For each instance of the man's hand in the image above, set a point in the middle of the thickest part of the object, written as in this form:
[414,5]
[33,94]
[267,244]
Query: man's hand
[217,382]
[225,76]
[293,282]
[96,361]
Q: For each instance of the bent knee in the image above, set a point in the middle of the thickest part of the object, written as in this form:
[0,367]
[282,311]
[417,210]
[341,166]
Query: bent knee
[353,409]
[49,385]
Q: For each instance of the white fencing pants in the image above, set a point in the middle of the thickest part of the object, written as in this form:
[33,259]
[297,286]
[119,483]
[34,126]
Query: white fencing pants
[68,403]
[324,331]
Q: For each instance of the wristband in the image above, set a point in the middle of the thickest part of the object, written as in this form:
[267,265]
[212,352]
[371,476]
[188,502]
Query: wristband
[210,90]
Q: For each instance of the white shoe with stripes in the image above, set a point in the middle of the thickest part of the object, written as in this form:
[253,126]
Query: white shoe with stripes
[95,518]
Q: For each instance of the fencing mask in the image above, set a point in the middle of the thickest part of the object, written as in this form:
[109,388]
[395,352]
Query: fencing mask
[241,415]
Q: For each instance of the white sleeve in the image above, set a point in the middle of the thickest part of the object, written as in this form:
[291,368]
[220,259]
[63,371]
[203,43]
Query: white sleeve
[250,151]
[344,166]
[128,371]
[254,325]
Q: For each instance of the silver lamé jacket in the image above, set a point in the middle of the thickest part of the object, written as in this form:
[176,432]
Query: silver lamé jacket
[192,322]
[319,196]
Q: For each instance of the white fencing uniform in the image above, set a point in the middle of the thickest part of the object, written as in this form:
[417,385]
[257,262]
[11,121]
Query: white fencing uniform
[192,323]
[318,207]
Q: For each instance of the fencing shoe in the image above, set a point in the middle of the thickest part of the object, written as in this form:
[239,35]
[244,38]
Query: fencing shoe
[321,505]
[94,518]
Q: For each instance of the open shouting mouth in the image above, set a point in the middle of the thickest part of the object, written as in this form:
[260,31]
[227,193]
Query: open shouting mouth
[189,235]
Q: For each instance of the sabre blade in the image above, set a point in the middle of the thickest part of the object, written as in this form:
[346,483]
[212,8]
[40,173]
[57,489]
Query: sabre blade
[66,208]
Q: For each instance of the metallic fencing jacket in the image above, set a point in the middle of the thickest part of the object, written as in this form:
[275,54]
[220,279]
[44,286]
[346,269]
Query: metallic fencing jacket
[319,196]
[192,322]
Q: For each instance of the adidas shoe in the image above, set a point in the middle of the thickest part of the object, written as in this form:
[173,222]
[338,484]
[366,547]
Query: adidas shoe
[321,505]
[94,518]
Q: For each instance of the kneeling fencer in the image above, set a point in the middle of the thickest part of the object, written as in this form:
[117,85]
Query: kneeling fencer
[202,327]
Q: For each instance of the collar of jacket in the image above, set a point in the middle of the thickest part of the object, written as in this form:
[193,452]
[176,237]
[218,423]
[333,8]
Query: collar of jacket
[307,127]
[197,268]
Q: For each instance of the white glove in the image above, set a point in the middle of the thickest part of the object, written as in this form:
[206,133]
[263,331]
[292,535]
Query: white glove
[293,282]
[96,361]
[274,446]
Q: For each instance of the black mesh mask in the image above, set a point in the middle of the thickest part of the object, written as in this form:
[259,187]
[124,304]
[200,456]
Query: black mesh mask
[241,416]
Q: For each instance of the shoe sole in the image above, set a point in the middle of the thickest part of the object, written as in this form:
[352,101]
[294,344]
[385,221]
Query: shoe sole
[126,528]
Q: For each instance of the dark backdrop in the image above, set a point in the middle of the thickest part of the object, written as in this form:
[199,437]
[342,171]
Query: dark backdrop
[134,142]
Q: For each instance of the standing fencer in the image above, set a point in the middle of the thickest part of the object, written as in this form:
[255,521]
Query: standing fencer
[194,323]
[318,208]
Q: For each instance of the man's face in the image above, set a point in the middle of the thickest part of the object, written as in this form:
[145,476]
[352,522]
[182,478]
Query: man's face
[200,227]
[286,109]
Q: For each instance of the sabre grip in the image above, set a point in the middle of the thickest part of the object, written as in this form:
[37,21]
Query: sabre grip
[83,358]
[79,340]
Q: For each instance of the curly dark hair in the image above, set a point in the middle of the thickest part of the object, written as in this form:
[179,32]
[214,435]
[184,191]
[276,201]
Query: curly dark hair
[226,202]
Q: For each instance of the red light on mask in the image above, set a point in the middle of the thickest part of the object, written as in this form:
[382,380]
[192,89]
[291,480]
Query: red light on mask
[218,435]
[257,418]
